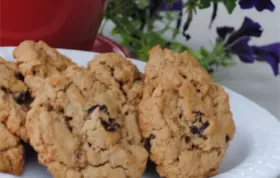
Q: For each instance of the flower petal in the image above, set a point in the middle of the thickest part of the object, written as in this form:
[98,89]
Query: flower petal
[264,4]
[273,63]
[246,4]
[260,5]
[248,28]
[271,54]
[243,50]
[176,6]
[223,32]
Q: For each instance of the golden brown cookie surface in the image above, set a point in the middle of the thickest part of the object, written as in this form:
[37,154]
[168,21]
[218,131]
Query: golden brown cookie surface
[78,126]
[116,72]
[37,61]
[184,116]
[14,101]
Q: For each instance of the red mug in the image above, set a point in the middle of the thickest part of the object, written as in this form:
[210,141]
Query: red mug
[71,24]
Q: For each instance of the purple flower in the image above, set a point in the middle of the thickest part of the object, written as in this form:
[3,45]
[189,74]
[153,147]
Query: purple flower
[237,43]
[243,50]
[176,6]
[260,5]
[223,32]
[248,28]
[270,53]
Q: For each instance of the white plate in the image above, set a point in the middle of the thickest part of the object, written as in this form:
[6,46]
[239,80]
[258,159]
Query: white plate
[254,152]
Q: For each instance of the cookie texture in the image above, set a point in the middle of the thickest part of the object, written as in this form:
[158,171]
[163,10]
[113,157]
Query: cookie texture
[37,61]
[14,101]
[78,125]
[118,73]
[184,116]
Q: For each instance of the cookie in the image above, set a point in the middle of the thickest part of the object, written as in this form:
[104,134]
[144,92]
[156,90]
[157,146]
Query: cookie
[37,60]
[78,126]
[184,116]
[115,71]
[14,101]
[11,152]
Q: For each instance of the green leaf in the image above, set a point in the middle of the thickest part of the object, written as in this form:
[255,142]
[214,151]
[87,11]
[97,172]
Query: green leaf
[204,52]
[115,31]
[143,4]
[204,4]
[178,47]
[230,5]
[153,39]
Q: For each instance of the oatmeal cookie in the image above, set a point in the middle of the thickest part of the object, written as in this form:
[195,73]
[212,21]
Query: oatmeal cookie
[184,116]
[37,60]
[14,101]
[115,71]
[77,127]
[82,126]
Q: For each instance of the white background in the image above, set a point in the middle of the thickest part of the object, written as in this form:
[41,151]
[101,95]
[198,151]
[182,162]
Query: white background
[255,81]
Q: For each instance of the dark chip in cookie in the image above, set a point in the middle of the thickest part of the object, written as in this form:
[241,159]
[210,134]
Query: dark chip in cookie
[110,125]
[148,142]
[199,130]
[227,138]
[198,116]
[3,89]
[23,97]
[19,76]
[103,108]
[92,108]
[187,139]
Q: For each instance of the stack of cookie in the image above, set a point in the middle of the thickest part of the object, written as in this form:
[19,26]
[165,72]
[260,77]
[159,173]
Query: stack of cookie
[104,121]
